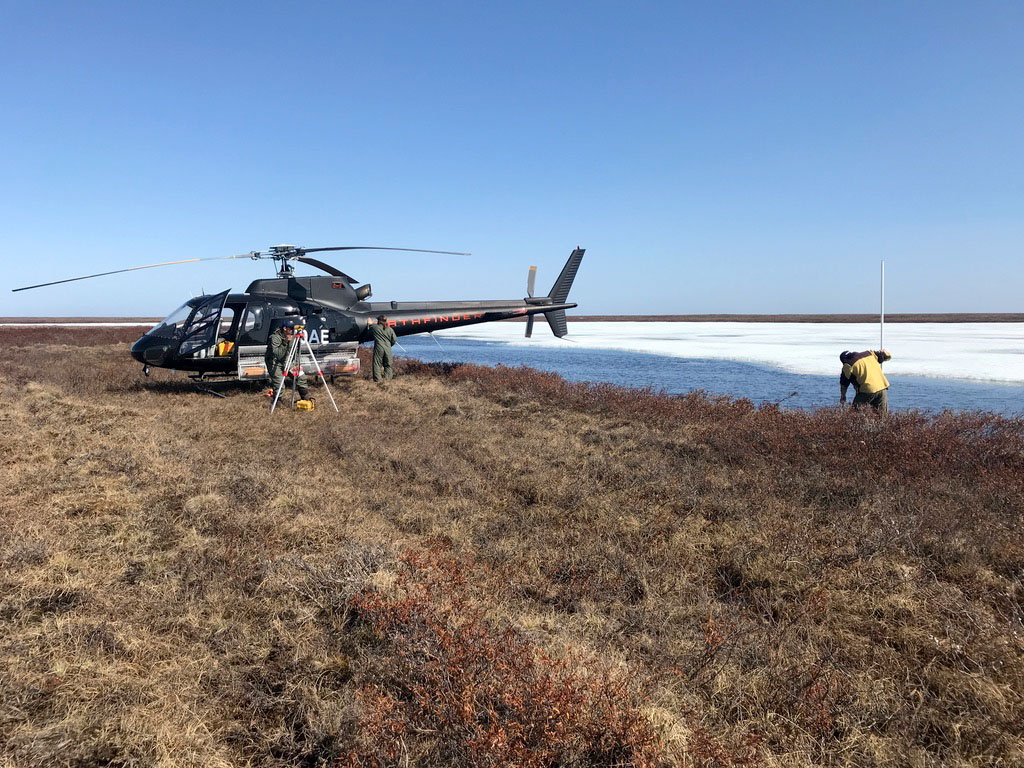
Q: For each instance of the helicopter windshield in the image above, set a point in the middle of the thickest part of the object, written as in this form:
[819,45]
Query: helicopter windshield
[173,322]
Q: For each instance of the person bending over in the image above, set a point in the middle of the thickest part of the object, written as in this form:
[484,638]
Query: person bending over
[864,371]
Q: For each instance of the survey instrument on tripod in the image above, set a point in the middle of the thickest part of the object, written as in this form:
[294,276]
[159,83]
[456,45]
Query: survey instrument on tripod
[293,366]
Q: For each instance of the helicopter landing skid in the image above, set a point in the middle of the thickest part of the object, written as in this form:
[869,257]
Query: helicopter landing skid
[199,386]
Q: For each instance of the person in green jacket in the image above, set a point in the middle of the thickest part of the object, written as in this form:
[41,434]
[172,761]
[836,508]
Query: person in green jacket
[383,338]
[278,344]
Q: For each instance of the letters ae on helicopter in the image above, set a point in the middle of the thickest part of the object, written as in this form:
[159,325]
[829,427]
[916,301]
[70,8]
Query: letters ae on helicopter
[226,334]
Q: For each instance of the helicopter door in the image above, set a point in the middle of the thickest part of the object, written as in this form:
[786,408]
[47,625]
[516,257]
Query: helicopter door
[200,333]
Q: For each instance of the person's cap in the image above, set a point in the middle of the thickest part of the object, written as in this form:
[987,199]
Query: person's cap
[382,318]
[288,322]
[844,356]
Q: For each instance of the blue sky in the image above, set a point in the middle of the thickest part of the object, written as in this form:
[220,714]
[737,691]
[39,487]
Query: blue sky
[711,157]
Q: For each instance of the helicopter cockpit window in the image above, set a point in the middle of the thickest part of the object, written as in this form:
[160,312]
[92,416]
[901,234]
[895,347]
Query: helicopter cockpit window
[253,319]
[172,323]
[227,322]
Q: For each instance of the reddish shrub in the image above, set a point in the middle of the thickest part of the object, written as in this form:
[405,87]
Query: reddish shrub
[465,693]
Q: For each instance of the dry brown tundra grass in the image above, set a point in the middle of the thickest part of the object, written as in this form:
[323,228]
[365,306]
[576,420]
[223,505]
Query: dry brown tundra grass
[477,567]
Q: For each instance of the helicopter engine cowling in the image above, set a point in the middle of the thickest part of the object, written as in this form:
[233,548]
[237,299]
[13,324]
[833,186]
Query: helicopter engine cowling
[334,292]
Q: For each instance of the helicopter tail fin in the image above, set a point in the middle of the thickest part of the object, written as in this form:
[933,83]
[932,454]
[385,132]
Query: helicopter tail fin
[560,290]
[556,320]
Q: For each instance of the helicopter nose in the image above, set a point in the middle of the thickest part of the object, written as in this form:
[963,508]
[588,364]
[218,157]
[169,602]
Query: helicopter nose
[149,351]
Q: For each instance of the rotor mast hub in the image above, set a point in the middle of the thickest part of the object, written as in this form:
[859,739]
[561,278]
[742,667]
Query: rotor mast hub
[283,255]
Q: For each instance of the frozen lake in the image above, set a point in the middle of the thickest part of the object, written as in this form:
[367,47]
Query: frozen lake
[964,366]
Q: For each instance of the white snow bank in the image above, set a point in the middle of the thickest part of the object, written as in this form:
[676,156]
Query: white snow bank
[981,351]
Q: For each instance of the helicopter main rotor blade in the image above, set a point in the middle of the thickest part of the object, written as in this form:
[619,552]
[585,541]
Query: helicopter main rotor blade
[326,268]
[381,248]
[131,269]
[251,255]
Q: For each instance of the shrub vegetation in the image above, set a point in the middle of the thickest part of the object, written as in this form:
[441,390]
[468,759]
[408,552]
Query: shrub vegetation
[477,566]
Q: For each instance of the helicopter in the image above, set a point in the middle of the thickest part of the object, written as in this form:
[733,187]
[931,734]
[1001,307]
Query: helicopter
[225,335]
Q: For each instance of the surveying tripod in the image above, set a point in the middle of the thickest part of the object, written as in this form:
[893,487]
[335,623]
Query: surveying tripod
[293,364]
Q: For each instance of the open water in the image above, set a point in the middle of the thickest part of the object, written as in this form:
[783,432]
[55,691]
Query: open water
[758,382]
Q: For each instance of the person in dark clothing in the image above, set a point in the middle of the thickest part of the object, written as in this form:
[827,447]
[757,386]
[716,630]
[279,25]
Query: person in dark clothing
[864,371]
[383,338]
[278,344]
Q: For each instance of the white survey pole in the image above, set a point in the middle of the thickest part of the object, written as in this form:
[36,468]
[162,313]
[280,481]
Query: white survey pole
[881,310]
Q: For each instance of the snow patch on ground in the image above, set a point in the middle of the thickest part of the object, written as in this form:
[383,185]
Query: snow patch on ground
[978,351]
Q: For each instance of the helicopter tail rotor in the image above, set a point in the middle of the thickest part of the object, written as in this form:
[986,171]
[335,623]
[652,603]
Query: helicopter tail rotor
[531,281]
